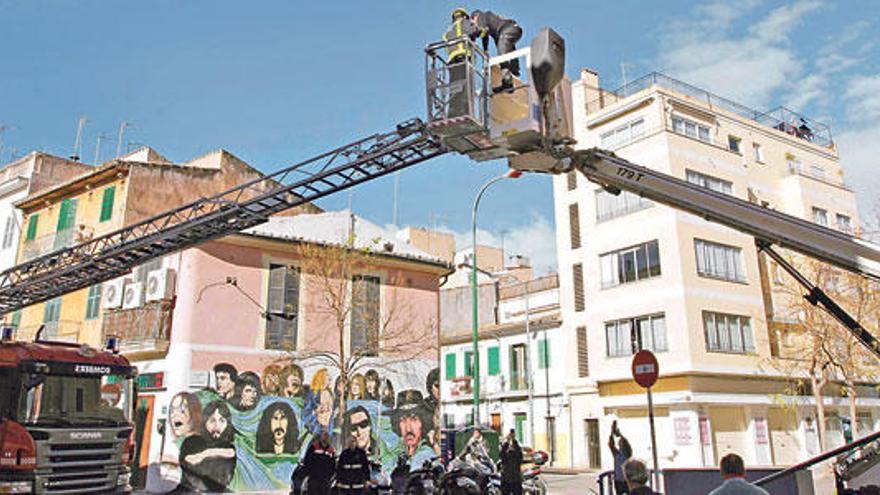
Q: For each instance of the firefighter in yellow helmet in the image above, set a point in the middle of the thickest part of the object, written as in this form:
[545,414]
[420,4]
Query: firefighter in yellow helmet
[459,53]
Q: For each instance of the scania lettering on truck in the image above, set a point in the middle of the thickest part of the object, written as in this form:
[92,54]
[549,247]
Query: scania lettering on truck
[65,419]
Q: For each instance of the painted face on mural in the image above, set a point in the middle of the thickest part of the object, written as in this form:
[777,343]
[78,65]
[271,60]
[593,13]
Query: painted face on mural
[216,424]
[180,417]
[411,431]
[279,427]
[356,391]
[361,429]
[293,387]
[325,409]
[249,396]
[372,381]
[225,384]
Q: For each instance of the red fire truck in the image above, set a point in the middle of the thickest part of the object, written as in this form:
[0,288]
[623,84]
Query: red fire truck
[65,418]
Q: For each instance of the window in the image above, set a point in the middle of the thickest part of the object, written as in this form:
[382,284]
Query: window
[365,315]
[518,356]
[710,182]
[469,364]
[719,261]
[816,171]
[93,302]
[820,216]
[16,319]
[583,357]
[733,143]
[51,316]
[577,271]
[627,336]
[107,203]
[519,420]
[67,215]
[282,308]
[728,333]
[631,264]
[32,227]
[622,135]
[610,206]
[759,152]
[574,224]
[543,354]
[844,223]
[571,178]
[9,231]
[450,365]
[494,361]
[691,129]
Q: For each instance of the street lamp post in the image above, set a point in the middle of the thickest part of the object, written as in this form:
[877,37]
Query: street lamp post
[475,365]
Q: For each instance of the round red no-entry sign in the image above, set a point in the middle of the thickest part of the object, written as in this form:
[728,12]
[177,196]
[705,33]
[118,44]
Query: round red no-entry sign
[645,368]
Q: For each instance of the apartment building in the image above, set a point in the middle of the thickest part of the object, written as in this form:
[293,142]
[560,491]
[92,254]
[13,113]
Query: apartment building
[99,200]
[20,179]
[637,275]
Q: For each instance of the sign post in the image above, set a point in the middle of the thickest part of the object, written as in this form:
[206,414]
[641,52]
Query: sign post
[645,370]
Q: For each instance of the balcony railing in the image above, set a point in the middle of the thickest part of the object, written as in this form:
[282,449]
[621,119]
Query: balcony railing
[145,328]
[63,330]
[48,243]
[780,118]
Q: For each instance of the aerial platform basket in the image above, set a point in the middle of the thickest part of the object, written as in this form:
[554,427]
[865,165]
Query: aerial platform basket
[470,115]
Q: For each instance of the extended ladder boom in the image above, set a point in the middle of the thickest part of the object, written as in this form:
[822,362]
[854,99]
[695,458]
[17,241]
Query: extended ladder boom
[765,224]
[234,210]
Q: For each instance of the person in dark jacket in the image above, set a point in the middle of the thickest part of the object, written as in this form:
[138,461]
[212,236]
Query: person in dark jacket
[352,470]
[400,475]
[636,474]
[621,451]
[511,466]
[458,54]
[505,33]
[319,464]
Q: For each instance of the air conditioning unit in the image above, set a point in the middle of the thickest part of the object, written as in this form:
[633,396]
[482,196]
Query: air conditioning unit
[133,296]
[160,284]
[111,293]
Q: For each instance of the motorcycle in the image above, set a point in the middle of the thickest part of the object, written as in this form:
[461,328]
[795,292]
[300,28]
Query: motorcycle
[470,474]
[423,481]
[532,483]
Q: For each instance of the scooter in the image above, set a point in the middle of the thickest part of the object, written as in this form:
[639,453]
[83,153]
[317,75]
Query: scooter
[532,483]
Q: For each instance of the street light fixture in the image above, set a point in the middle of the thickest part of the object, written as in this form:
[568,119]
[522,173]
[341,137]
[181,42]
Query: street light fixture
[475,364]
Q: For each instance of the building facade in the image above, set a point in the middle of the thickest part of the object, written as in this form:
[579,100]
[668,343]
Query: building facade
[637,275]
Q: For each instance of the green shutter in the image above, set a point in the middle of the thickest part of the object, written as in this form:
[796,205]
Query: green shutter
[469,364]
[67,215]
[16,319]
[494,361]
[543,353]
[450,365]
[93,302]
[107,203]
[32,227]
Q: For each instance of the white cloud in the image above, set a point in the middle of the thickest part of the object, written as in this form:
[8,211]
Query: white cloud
[863,98]
[860,157]
[747,65]
[535,239]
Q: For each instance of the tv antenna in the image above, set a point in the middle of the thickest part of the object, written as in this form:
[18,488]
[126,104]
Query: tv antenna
[77,146]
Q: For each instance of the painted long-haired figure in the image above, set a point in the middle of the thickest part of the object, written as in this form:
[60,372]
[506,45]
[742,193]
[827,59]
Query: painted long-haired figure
[320,407]
[278,432]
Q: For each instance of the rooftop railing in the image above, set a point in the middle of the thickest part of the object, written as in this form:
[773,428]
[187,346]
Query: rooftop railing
[780,118]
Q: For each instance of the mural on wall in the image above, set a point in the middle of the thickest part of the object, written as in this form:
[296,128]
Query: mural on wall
[249,430]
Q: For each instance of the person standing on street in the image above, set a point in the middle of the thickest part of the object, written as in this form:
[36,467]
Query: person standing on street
[319,464]
[636,474]
[506,33]
[621,451]
[352,469]
[511,466]
[733,472]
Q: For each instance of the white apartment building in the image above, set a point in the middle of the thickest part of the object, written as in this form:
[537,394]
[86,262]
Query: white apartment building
[639,275]
[510,362]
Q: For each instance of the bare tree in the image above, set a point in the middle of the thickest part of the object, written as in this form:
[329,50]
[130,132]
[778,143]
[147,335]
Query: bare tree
[818,349]
[364,318]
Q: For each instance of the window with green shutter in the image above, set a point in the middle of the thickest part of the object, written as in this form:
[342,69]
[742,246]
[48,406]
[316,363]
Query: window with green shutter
[16,319]
[469,364]
[32,227]
[494,361]
[543,354]
[107,203]
[93,302]
[67,216]
[450,365]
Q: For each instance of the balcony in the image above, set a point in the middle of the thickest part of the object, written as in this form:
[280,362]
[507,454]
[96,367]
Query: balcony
[39,246]
[145,329]
[61,331]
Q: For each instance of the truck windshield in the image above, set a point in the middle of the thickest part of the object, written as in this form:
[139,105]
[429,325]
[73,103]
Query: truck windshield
[75,400]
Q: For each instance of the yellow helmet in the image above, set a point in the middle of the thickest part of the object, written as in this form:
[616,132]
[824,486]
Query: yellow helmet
[459,11]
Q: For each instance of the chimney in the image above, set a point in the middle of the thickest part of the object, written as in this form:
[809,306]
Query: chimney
[593,97]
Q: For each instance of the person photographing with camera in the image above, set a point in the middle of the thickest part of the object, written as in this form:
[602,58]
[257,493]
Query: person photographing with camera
[621,451]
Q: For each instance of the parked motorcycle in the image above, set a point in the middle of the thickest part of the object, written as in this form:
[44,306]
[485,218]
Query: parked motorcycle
[532,483]
[423,481]
[470,474]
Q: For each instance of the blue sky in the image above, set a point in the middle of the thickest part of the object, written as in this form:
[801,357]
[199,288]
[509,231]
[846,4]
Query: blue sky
[275,82]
